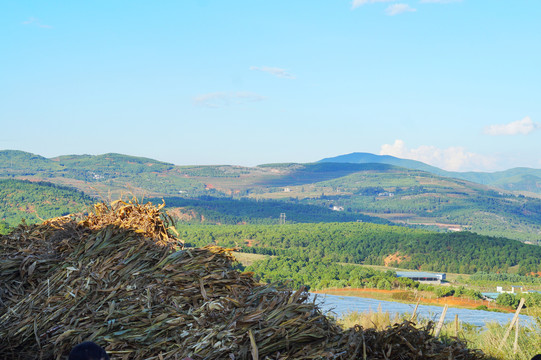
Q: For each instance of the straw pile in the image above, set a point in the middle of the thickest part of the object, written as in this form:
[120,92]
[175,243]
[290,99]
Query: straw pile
[119,277]
[404,341]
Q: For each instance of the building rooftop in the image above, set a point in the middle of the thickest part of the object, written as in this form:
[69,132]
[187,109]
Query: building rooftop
[417,274]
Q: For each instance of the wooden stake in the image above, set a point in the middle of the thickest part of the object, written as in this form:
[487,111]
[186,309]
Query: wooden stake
[440,323]
[515,318]
[456,325]
[414,315]
[515,345]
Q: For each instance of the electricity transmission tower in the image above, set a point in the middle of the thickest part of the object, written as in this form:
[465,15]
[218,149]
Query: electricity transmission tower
[282,218]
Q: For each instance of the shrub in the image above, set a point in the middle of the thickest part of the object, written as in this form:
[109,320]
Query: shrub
[506,299]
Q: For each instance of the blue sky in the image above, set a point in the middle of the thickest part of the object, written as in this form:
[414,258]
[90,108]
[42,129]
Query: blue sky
[456,84]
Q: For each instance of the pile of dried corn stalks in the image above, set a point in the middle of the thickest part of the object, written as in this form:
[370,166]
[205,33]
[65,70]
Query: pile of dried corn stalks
[120,278]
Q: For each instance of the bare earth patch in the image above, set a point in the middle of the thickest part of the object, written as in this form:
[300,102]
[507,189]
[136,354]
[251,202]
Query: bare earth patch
[395,258]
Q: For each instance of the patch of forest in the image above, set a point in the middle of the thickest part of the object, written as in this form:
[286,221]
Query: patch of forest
[322,274]
[36,201]
[230,211]
[481,278]
[458,252]
[319,274]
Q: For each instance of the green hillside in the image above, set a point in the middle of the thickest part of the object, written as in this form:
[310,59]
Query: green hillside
[340,191]
[107,175]
[36,202]
[367,158]
[412,197]
[109,165]
[15,163]
[364,243]
[516,179]
[211,210]
[301,174]
[131,174]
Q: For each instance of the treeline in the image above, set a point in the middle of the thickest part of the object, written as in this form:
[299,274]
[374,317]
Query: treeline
[483,277]
[229,211]
[461,252]
[323,274]
[37,201]
[225,171]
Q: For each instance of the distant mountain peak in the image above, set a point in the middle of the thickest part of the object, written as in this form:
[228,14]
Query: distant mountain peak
[516,179]
[362,157]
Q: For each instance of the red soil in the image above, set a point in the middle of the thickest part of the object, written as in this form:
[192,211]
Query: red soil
[363,290]
[395,258]
[249,242]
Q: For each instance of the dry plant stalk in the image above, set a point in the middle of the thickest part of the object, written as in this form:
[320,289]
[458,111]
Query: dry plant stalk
[119,277]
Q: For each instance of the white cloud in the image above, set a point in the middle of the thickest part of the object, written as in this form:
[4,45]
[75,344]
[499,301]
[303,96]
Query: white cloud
[223,99]
[452,159]
[524,127]
[396,9]
[34,21]
[281,73]
[356,3]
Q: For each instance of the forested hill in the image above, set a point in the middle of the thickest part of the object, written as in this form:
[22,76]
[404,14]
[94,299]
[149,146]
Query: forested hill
[461,252]
[516,179]
[103,175]
[367,158]
[211,210]
[35,202]
[81,167]
[15,162]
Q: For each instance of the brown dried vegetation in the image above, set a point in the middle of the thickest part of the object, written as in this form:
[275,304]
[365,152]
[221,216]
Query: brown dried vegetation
[119,277]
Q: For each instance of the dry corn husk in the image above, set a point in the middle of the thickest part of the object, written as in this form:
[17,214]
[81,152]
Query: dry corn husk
[119,277]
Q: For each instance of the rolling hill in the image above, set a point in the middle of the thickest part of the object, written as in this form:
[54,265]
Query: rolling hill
[342,190]
[36,201]
[373,244]
[107,175]
[414,197]
[516,179]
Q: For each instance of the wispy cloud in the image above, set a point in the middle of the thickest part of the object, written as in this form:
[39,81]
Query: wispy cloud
[281,73]
[222,99]
[356,3]
[35,22]
[396,9]
[452,158]
[439,1]
[524,127]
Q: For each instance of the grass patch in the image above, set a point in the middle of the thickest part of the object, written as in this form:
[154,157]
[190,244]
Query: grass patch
[247,259]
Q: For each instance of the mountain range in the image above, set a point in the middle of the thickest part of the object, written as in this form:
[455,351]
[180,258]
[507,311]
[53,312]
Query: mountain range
[354,187]
[516,179]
